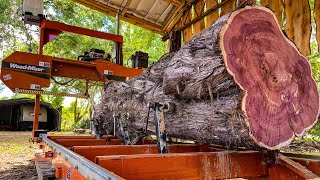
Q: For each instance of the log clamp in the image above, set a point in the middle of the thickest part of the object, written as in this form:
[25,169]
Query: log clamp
[159,109]
[121,118]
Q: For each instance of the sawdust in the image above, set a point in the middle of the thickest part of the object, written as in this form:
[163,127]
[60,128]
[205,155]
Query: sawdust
[223,164]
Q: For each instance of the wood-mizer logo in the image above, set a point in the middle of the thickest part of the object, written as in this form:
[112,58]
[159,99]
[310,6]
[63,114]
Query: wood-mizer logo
[26,67]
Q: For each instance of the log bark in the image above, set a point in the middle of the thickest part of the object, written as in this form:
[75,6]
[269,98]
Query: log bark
[240,83]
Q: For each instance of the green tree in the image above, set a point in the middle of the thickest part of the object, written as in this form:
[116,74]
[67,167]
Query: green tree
[138,39]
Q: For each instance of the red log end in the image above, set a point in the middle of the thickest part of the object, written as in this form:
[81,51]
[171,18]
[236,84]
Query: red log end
[281,98]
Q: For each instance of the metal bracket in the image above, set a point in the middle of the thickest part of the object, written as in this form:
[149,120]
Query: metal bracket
[159,109]
[122,118]
[27,91]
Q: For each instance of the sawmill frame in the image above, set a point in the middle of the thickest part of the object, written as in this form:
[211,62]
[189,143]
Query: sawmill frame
[76,157]
[30,76]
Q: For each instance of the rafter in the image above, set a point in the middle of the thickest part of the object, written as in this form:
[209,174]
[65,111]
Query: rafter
[177,3]
[123,11]
[175,17]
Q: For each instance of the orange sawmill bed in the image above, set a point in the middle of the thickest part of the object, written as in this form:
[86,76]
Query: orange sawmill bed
[85,157]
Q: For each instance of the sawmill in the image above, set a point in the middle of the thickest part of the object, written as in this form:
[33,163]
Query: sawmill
[234,88]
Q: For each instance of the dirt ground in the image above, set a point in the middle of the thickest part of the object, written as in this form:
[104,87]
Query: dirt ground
[16,153]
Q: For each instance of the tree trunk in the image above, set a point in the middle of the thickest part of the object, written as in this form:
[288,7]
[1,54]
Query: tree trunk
[240,83]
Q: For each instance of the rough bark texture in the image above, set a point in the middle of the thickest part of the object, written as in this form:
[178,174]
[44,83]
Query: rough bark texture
[272,98]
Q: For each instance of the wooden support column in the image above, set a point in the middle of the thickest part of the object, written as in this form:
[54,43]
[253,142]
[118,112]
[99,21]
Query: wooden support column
[298,24]
[214,15]
[174,41]
[276,6]
[317,20]
[198,11]
[187,33]
[228,7]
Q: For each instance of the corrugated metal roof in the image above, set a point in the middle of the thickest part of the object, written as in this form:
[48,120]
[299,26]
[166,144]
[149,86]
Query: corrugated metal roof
[149,14]
[154,11]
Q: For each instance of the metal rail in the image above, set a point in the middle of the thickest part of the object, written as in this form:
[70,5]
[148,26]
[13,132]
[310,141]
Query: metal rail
[85,167]
[27,91]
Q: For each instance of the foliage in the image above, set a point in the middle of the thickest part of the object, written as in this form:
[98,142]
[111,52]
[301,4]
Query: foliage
[142,41]
[76,115]
[13,32]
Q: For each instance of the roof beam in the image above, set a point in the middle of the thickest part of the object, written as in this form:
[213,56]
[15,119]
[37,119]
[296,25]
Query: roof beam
[126,17]
[123,11]
[177,3]
[175,17]
[164,12]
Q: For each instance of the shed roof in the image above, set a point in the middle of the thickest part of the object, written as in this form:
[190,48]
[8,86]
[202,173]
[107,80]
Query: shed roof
[154,15]
[21,101]
[190,17]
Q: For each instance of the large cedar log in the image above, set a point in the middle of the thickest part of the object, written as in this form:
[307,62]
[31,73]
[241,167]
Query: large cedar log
[240,83]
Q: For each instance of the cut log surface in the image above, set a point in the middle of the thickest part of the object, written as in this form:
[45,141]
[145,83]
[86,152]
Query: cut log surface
[239,83]
[281,97]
